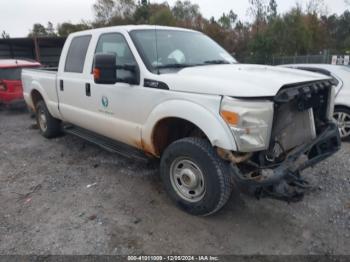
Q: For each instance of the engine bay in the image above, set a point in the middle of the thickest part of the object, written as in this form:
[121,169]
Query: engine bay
[302,135]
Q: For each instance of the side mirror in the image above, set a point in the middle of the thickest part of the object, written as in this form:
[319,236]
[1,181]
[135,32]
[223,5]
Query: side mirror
[105,70]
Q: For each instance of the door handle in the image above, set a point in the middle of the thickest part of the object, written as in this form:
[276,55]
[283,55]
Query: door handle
[88,89]
[61,85]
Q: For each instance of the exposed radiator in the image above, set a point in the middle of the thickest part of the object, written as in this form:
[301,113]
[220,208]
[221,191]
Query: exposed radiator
[292,127]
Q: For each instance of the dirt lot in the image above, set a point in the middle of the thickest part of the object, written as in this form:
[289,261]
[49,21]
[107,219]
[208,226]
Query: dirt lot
[47,207]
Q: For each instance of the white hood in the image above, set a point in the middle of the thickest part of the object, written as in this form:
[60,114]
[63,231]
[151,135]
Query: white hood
[237,80]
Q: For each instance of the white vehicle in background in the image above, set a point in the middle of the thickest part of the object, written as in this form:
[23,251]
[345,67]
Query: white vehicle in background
[341,77]
[175,95]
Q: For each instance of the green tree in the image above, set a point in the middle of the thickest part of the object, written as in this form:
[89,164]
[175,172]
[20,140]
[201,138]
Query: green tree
[38,30]
[342,32]
[142,13]
[296,38]
[50,29]
[258,10]
[316,7]
[185,11]
[106,10]
[299,31]
[4,35]
[227,21]
[67,28]
[272,12]
[161,15]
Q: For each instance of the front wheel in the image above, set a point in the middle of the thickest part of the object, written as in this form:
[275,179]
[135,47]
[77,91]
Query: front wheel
[195,177]
[342,117]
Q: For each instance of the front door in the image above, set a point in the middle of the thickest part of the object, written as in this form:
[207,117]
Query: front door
[116,106]
[71,86]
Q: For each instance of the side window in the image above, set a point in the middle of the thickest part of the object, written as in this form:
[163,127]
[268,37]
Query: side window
[116,43]
[77,54]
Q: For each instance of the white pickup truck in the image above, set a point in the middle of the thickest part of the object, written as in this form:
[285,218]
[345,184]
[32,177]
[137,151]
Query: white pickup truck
[175,95]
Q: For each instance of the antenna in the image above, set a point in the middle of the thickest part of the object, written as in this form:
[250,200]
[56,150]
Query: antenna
[156,36]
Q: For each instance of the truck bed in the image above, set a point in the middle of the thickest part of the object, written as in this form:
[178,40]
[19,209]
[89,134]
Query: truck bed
[44,80]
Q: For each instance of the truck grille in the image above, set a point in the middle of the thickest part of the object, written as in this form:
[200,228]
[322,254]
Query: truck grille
[300,111]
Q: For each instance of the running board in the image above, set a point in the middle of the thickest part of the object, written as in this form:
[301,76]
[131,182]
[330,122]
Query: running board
[107,143]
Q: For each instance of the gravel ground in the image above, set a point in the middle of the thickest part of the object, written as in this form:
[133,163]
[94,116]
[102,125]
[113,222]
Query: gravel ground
[65,196]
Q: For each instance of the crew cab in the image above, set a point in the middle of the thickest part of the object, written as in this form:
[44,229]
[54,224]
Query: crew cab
[11,92]
[175,95]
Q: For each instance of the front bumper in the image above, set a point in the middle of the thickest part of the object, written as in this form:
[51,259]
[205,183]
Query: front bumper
[284,181]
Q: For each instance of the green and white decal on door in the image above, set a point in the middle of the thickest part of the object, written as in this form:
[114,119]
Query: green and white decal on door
[105,105]
[105,101]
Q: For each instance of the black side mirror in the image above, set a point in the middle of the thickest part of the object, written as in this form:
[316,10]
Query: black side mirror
[105,68]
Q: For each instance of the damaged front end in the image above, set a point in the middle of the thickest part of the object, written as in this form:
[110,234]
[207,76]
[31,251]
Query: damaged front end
[303,134]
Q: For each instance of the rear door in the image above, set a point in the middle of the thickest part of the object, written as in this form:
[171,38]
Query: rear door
[71,82]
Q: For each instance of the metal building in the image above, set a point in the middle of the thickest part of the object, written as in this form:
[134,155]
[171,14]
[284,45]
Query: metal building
[46,50]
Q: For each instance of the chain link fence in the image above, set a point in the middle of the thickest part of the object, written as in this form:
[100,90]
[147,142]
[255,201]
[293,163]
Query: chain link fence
[307,59]
[303,59]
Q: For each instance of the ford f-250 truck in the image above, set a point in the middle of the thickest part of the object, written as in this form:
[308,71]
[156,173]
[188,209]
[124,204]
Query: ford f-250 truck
[175,95]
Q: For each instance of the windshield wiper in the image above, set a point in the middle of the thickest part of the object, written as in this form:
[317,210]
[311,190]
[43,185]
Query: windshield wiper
[216,62]
[209,62]
[175,66]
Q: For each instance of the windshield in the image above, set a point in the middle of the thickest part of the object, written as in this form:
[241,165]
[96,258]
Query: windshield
[172,49]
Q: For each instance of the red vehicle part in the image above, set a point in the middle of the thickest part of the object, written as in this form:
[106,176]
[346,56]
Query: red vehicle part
[11,91]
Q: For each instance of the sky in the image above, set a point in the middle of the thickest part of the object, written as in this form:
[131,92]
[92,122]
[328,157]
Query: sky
[18,16]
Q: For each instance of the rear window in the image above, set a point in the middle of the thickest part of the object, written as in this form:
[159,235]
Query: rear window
[12,73]
[76,54]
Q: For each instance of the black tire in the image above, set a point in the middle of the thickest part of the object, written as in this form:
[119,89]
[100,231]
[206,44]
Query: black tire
[344,131]
[31,112]
[52,126]
[213,170]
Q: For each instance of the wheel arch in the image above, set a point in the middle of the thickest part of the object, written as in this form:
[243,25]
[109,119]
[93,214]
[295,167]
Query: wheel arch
[38,93]
[342,106]
[343,127]
[35,97]
[186,113]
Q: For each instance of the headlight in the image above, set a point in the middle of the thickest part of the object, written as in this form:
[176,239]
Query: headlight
[250,122]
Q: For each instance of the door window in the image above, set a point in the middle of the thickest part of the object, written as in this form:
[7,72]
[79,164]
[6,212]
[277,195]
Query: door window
[115,43]
[76,54]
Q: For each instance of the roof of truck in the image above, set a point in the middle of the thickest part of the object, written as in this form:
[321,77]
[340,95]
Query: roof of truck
[10,63]
[129,28]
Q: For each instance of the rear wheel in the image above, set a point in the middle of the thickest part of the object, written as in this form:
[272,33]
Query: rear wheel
[342,117]
[49,126]
[195,177]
